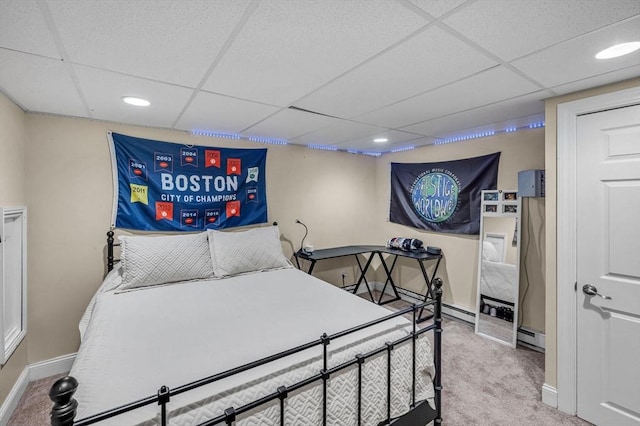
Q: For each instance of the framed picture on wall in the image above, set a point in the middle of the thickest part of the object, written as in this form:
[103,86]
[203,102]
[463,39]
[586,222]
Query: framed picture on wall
[491,208]
[510,209]
[491,196]
[511,196]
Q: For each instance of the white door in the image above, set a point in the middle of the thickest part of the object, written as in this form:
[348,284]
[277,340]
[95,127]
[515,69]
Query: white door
[608,260]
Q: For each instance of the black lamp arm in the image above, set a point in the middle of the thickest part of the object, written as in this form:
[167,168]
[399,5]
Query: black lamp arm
[306,232]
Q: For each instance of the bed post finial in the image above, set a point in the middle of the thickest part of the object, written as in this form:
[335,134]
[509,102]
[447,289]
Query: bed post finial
[64,406]
[438,283]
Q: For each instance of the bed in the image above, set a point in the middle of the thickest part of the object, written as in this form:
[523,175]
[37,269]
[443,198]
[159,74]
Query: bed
[249,341]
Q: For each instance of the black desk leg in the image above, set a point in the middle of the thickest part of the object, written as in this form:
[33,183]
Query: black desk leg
[313,263]
[389,280]
[429,292]
[362,276]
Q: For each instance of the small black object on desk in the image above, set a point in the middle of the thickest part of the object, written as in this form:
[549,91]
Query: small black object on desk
[421,256]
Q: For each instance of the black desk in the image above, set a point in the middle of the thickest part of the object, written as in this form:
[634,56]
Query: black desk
[420,256]
[331,253]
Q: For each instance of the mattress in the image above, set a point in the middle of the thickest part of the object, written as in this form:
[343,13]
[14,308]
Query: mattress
[135,342]
[498,280]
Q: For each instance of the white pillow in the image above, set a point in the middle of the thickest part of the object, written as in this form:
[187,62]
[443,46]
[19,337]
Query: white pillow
[489,252]
[257,249]
[148,261]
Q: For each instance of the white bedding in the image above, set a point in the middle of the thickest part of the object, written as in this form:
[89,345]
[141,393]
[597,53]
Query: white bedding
[135,342]
[498,280]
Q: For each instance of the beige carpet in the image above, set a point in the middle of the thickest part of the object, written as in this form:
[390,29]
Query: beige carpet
[485,383]
[35,405]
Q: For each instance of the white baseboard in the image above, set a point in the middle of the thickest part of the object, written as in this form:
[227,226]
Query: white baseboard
[550,395]
[412,297]
[459,313]
[11,402]
[31,372]
[373,285]
[530,338]
[49,367]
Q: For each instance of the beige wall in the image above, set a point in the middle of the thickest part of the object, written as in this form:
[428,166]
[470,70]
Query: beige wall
[70,192]
[551,218]
[521,150]
[67,185]
[12,193]
[69,189]
[12,153]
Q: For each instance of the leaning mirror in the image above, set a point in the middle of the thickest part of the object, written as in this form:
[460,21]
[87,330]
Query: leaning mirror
[498,267]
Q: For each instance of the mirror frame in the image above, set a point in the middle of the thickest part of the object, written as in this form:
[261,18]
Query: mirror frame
[500,203]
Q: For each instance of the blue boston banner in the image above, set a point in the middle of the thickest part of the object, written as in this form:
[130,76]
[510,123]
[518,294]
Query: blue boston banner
[443,197]
[163,186]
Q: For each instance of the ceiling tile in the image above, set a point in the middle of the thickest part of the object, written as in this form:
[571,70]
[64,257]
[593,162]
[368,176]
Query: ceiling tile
[382,65]
[339,131]
[496,127]
[212,112]
[402,72]
[578,56]
[174,41]
[105,99]
[600,80]
[409,146]
[39,84]
[512,29]
[289,48]
[510,113]
[288,124]
[23,28]
[394,137]
[487,87]
[437,8]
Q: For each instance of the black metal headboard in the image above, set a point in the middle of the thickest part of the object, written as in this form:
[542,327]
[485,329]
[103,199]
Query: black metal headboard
[111,244]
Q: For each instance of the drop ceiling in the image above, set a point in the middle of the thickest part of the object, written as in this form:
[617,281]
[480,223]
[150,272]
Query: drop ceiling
[329,73]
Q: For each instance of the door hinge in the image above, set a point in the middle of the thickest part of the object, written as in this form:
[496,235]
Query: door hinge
[575,286]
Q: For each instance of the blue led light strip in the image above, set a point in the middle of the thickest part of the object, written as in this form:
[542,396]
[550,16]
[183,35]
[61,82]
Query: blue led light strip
[322,147]
[275,141]
[237,136]
[404,148]
[216,134]
[272,141]
[470,136]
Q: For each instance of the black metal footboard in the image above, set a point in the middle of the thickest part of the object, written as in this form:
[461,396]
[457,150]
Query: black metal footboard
[420,412]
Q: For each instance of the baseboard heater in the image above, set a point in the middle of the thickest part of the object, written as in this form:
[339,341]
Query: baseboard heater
[529,338]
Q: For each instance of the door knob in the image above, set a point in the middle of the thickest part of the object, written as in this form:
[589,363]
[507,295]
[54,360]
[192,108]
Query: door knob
[591,290]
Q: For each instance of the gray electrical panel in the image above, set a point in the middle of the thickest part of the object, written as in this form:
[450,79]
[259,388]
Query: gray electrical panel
[531,183]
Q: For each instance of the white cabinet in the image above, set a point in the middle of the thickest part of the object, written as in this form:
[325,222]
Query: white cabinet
[13,279]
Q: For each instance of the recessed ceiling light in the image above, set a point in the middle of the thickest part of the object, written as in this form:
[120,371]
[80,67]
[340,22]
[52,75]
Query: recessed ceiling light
[380,140]
[618,50]
[131,100]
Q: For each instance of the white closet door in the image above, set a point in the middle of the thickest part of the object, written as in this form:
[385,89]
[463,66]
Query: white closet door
[608,267]
[13,282]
